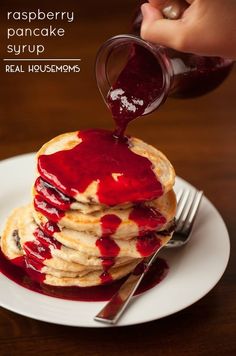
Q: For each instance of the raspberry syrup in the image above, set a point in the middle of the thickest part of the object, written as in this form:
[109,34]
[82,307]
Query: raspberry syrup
[52,195]
[137,86]
[122,175]
[107,246]
[35,253]
[31,279]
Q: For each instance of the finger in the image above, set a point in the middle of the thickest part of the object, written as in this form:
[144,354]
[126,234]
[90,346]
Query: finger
[172,9]
[158,30]
[151,13]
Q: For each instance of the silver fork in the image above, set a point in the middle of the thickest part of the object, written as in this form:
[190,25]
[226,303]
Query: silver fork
[188,201]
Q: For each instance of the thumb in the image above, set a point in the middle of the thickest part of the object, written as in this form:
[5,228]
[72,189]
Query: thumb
[158,30]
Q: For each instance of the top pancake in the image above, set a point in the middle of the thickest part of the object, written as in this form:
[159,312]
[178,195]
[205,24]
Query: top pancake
[94,168]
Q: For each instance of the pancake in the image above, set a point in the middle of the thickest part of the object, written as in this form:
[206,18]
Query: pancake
[158,213]
[87,243]
[90,279]
[84,248]
[55,271]
[10,239]
[148,162]
[100,205]
[12,243]
[54,197]
[63,256]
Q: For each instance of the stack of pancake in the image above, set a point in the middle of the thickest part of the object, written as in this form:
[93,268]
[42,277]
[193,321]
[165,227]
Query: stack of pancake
[99,207]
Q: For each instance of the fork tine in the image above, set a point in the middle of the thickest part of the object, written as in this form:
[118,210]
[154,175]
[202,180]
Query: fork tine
[188,222]
[187,207]
[179,194]
[181,205]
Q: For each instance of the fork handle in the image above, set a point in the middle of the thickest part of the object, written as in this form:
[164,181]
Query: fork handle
[118,303]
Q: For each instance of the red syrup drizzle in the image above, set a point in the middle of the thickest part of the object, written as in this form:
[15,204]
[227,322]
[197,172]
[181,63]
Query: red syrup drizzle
[137,86]
[21,276]
[46,241]
[39,250]
[48,210]
[50,228]
[52,195]
[107,246]
[107,262]
[148,244]
[36,252]
[148,220]
[122,175]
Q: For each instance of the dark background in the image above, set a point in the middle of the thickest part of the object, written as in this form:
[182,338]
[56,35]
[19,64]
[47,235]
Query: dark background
[198,136]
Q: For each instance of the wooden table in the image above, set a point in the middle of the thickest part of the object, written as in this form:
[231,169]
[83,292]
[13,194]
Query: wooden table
[197,135]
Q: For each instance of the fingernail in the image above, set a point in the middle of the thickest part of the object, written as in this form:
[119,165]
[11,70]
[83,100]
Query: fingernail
[171,12]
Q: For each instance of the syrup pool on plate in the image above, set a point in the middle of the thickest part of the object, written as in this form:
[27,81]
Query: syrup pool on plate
[90,294]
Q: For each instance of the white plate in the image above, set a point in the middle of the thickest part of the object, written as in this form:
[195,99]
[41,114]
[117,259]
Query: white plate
[194,269]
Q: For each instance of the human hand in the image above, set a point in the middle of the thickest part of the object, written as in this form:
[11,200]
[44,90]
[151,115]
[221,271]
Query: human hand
[205,27]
